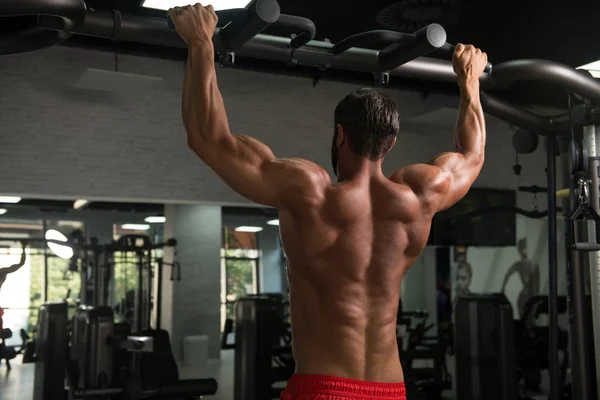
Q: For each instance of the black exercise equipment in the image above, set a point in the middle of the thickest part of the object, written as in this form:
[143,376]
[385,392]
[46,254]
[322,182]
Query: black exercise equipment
[52,350]
[485,351]
[257,342]
[8,353]
[108,360]
[415,345]
[531,343]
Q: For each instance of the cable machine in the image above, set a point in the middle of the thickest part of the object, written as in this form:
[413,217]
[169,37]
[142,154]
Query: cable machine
[240,34]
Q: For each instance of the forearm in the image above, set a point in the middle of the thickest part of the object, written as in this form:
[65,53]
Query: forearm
[470,136]
[204,112]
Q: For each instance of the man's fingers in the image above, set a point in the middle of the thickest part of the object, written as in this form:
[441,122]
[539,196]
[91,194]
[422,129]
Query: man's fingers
[459,49]
[212,11]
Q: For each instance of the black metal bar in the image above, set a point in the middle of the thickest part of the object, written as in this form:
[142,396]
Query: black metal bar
[562,76]
[575,263]
[244,23]
[139,307]
[45,294]
[594,340]
[158,300]
[418,44]
[303,29]
[133,28]
[95,280]
[371,39]
[258,16]
[148,305]
[580,350]
[553,368]
[513,114]
[70,12]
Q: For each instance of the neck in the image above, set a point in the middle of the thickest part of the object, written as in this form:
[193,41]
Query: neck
[360,168]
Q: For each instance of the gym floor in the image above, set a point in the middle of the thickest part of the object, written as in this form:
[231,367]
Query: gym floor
[18,383]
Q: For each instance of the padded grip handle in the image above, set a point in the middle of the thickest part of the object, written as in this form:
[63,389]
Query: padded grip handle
[304,29]
[245,23]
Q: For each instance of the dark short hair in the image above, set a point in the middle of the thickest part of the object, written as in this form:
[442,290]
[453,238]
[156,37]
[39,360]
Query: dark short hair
[371,121]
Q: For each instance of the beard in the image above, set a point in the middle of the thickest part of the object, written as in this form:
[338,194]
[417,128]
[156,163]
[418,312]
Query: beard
[334,153]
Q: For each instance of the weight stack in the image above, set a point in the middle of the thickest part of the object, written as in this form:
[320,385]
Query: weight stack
[93,330]
[485,349]
[51,349]
[255,318]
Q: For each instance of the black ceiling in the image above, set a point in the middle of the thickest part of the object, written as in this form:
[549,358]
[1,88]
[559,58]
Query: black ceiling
[564,31]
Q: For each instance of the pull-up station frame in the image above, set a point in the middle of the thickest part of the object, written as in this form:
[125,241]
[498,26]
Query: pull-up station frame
[241,33]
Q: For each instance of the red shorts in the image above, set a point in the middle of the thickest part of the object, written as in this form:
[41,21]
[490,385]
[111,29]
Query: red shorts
[325,387]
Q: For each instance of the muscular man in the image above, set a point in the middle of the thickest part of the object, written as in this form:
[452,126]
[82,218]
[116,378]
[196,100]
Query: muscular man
[348,243]
[9,270]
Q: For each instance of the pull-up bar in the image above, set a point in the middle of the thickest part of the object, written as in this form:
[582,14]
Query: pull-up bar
[401,57]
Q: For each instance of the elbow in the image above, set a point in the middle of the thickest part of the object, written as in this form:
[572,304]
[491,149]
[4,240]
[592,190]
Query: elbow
[475,159]
[193,144]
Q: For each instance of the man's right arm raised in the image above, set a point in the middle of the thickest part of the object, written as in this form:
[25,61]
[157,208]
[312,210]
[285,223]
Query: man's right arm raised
[447,178]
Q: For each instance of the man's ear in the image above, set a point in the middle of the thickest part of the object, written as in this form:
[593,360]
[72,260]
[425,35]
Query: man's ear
[392,145]
[341,137]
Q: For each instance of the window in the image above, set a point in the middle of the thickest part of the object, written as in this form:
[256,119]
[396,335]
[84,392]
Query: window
[125,285]
[64,281]
[239,269]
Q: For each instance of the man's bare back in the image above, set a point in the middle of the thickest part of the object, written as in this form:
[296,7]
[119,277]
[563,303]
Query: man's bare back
[346,260]
[348,244]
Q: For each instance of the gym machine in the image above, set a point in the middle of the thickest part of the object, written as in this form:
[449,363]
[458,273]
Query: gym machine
[485,349]
[414,345]
[241,36]
[101,359]
[531,343]
[258,342]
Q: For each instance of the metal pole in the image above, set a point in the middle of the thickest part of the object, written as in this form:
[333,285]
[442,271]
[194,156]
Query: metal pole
[45,294]
[591,142]
[575,266]
[553,368]
[140,295]
[158,301]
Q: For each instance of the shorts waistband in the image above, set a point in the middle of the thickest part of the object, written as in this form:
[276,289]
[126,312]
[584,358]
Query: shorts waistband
[327,384]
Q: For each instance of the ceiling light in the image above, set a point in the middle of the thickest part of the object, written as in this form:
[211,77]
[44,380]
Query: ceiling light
[248,229]
[593,68]
[135,227]
[3,211]
[65,252]
[15,235]
[274,222]
[9,199]
[155,219]
[80,204]
[217,4]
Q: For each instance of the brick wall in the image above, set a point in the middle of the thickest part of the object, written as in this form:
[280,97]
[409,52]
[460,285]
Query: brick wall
[61,141]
